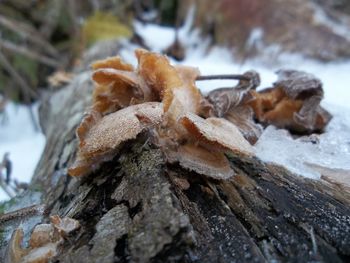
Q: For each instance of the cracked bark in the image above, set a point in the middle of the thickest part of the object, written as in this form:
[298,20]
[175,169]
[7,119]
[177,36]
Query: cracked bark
[132,209]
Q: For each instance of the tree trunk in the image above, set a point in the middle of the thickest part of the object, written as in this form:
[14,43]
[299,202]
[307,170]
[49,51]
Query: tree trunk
[137,208]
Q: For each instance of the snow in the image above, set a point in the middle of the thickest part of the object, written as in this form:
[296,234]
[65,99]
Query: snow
[333,149]
[19,138]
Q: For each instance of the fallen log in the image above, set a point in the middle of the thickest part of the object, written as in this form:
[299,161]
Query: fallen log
[138,208]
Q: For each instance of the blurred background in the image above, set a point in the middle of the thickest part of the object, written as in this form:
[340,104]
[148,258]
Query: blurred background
[45,43]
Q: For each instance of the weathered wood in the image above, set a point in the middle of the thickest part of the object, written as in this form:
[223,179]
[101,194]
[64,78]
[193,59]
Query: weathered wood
[137,208]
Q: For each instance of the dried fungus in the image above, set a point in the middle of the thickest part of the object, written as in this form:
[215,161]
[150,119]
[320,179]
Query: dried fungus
[14,251]
[42,234]
[243,117]
[218,133]
[213,164]
[100,137]
[43,243]
[112,63]
[160,97]
[65,225]
[224,99]
[192,130]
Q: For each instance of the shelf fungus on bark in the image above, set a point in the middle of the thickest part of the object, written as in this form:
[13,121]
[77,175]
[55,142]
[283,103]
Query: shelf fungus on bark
[100,136]
[217,132]
[207,142]
[292,103]
[43,242]
[168,103]
[117,86]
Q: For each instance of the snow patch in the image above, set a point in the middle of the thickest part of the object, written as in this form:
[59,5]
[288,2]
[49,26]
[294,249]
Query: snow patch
[19,138]
[330,149]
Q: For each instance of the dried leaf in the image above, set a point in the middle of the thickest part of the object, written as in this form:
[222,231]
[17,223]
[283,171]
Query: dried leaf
[59,78]
[297,84]
[224,99]
[243,118]
[293,103]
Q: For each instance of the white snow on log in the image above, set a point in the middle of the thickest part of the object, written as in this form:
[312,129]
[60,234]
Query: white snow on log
[330,149]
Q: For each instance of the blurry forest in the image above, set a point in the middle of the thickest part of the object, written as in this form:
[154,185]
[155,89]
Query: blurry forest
[42,40]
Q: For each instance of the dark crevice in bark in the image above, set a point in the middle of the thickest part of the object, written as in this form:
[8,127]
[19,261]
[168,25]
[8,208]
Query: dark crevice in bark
[121,250]
[135,210]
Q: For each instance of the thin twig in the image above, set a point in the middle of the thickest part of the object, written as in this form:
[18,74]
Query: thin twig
[28,32]
[228,76]
[28,53]
[23,212]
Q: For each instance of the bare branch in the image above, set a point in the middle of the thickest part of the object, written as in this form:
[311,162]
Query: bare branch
[228,76]
[29,53]
[26,31]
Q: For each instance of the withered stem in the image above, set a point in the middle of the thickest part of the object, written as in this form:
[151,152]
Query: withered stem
[223,76]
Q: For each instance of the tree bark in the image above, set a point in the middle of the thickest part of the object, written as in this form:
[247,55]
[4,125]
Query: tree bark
[137,208]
